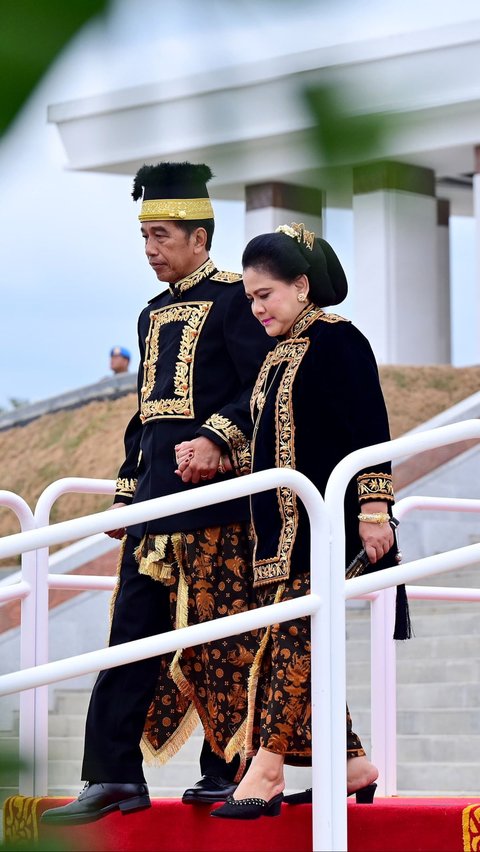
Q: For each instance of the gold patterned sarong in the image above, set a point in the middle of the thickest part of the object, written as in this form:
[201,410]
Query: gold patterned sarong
[208,576]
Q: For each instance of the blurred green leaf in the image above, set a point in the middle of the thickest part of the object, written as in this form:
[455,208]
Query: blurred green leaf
[342,135]
[32,33]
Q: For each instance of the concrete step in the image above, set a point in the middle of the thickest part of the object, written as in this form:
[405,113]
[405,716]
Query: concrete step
[73,701]
[420,671]
[458,748]
[421,723]
[439,776]
[72,725]
[422,648]
[419,696]
[441,622]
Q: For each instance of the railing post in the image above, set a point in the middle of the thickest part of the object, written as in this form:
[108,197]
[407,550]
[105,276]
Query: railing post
[26,737]
[384,691]
[27,714]
[323,819]
[38,612]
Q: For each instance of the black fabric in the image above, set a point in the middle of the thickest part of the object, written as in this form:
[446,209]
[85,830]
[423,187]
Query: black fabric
[121,696]
[229,349]
[171,180]
[338,407]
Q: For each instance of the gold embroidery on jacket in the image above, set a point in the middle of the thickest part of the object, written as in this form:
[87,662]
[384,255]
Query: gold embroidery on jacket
[375,485]
[238,443]
[289,352]
[309,315]
[125,487]
[193,316]
[203,271]
[226,277]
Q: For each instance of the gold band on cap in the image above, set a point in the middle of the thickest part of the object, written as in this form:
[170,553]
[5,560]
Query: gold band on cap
[176,208]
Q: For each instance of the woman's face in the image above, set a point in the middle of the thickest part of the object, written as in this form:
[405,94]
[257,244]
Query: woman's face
[274,302]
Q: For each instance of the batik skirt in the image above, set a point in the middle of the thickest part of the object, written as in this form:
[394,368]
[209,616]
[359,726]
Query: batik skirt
[279,701]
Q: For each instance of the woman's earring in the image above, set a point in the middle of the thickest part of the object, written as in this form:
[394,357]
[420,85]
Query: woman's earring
[302,297]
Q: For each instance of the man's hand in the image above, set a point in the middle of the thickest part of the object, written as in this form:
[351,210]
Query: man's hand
[121,531]
[199,459]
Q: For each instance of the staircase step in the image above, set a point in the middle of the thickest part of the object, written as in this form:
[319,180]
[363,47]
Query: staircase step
[420,671]
[443,621]
[460,748]
[72,725]
[72,701]
[395,824]
[419,696]
[447,776]
[421,648]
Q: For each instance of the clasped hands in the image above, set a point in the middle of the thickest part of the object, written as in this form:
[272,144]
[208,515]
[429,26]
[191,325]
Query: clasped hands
[200,459]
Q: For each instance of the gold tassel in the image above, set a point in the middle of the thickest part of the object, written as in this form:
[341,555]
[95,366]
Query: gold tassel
[152,562]
[253,680]
[237,745]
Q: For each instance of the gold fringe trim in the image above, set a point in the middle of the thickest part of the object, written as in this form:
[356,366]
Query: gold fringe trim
[253,680]
[181,620]
[237,745]
[158,757]
[152,563]
[117,586]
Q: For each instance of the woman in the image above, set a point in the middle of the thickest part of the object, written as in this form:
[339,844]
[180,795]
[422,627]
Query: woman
[316,399]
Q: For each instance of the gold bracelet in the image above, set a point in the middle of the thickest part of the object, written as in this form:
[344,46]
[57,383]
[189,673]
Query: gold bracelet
[374,518]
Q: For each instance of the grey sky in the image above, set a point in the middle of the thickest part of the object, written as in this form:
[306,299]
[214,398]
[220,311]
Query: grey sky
[73,273]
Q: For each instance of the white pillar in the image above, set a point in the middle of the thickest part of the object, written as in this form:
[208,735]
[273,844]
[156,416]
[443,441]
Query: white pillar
[443,319]
[268,205]
[396,262]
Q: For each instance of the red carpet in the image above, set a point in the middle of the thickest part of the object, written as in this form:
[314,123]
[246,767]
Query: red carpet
[389,825]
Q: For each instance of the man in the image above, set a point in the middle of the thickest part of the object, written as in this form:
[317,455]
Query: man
[200,351]
[119,359]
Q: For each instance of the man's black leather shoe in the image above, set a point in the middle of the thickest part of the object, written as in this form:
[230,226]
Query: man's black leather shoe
[210,788]
[97,800]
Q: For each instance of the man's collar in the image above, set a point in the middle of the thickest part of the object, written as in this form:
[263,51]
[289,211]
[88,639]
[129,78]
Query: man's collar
[203,271]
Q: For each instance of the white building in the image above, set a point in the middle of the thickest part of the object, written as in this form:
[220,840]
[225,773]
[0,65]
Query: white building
[247,117]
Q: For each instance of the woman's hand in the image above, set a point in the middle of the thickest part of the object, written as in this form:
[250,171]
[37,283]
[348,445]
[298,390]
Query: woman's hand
[200,459]
[377,539]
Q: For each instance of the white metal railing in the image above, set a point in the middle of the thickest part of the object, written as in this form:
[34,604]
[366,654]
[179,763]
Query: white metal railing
[326,604]
[383,652]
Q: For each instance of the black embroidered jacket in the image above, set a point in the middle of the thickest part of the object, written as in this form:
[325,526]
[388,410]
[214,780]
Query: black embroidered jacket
[317,398]
[200,351]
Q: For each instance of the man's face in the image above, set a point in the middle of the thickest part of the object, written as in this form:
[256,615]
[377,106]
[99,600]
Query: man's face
[171,252]
[119,364]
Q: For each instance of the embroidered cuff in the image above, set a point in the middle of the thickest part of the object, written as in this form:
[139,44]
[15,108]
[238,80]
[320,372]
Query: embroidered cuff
[375,486]
[238,444]
[125,488]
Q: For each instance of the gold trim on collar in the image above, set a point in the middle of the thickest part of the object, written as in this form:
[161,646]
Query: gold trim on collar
[309,315]
[290,353]
[203,271]
[176,208]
